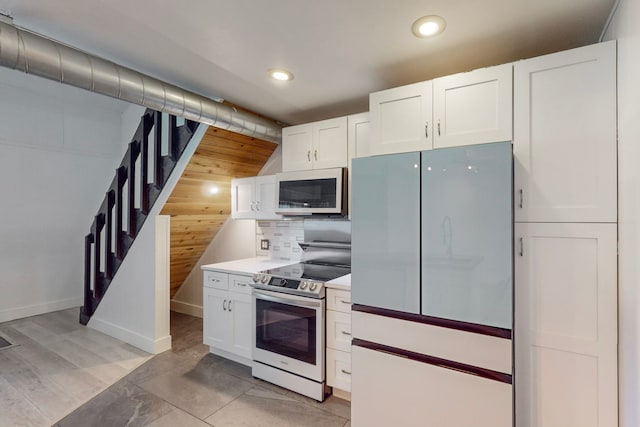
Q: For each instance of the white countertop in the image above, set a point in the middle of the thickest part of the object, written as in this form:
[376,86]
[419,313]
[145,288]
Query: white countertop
[246,265]
[342,283]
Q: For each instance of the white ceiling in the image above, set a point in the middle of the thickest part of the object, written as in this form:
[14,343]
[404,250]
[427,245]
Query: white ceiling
[338,50]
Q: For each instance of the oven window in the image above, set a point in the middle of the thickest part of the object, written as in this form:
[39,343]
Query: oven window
[287,330]
[312,193]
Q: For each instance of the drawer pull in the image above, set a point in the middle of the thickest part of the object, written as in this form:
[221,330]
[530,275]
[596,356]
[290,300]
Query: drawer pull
[242,284]
[345,302]
[345,372]
[346,333]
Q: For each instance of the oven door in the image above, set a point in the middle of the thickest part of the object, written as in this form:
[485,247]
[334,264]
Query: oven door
[289,333]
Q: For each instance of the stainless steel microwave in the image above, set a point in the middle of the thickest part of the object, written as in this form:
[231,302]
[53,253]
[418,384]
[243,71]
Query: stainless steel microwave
[320,191]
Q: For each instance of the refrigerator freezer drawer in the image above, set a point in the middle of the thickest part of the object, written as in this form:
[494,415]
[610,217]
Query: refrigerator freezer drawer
[388,390]
[479,350]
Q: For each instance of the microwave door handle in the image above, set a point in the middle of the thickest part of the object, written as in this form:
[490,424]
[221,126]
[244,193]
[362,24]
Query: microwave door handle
[260,295]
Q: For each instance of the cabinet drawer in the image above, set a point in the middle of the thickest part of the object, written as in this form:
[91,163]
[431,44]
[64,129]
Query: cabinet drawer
[339,330]
[339,300]
[241,284]
[339,369]
[214,279]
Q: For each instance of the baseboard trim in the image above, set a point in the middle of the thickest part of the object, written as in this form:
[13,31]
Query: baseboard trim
[37,309]
[135,339]
[186,308]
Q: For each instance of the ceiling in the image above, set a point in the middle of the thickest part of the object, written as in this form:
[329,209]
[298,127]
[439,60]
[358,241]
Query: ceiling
[338,50]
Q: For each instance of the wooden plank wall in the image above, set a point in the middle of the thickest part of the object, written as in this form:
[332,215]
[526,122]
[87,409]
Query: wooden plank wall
[196,213]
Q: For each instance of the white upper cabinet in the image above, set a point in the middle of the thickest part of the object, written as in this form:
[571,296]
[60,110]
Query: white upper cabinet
[474,107]
[254,198]
[401,119]
[359,138]
[565,136]
[243,198]
[317,145]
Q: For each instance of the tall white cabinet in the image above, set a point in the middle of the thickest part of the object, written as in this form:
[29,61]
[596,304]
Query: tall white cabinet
[565,136]
[566,239]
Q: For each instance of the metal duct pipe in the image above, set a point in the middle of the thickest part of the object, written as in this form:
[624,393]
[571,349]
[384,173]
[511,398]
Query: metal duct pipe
[34,54]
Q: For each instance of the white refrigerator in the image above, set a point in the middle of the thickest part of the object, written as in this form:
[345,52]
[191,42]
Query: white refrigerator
[432,288]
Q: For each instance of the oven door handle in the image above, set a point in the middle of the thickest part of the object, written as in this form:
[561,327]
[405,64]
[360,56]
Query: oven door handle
[290,301]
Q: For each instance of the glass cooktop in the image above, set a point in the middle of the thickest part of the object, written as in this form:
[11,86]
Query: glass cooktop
[309,271]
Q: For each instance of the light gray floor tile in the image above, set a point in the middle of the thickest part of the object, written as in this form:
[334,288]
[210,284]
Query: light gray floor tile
[123,404]
[264,410]
[16,411]
[200,393]
[52,400]
[178,418]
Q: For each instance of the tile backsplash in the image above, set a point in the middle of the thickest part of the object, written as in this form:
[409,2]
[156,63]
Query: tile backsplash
[283,239]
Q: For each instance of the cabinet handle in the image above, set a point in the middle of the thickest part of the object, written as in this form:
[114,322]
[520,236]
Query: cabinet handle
[258,205]
[345,302]
[252,207]
[224,305]
[521,247]
[426,130]
[521,198]
[242,284]
[438,127]
[229,306]
[346,333]
[345,371]
[315,154]
[309,155]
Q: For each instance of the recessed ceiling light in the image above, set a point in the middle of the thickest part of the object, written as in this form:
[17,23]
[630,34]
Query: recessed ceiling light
[428,26]
[280,74]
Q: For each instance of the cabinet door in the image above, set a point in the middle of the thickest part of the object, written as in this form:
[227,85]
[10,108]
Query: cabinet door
[566,325]
[243,198]
[339,369]
[240,324]
[564,141]
[358,141]
[401,119]
[474,107]
[215,322]
[297,148]
[266,197]
[330,144]
[388,390]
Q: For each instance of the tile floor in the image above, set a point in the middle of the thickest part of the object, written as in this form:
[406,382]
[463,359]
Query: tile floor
[55,365]
[188,386]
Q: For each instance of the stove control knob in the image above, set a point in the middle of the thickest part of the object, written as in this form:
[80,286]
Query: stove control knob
[303,285]
[313,286]
[264,279]
[256,278]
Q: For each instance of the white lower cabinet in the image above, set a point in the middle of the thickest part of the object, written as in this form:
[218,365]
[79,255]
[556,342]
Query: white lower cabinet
[566,325]
[227,315]
[339,341]
[389,390]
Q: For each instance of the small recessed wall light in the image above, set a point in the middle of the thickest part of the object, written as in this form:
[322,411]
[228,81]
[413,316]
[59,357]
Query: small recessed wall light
[280,74]
[428,26]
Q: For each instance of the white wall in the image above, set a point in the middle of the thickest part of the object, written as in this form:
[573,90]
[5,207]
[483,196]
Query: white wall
[626,29]
[135,308]
[59,147]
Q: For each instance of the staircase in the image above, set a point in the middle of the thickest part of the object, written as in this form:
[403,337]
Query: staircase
[138,182]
